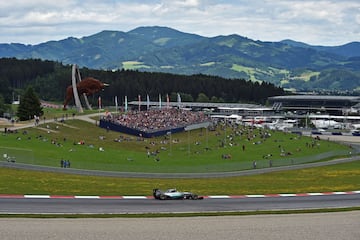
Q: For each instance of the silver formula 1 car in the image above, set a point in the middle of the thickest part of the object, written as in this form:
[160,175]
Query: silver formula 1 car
[174,194]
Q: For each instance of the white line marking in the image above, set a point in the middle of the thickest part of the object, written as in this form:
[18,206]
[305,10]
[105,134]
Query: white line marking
[315,194]
[134,197]
[36,196]
[219,196]
[287,195]
[87,197]
[255,196]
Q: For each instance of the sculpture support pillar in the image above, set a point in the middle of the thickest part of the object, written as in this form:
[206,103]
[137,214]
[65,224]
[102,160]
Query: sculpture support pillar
[76,72]
[84,94]
[75,91]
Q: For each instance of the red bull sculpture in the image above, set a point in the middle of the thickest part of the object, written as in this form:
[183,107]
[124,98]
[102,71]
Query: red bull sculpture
[87,86]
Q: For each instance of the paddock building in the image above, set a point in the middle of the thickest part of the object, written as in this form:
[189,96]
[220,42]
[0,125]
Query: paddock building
[303,104]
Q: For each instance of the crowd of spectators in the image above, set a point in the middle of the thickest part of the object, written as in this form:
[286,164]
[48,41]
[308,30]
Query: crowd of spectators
[158,119]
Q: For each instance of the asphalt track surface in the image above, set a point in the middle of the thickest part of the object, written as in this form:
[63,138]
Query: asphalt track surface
[132,205]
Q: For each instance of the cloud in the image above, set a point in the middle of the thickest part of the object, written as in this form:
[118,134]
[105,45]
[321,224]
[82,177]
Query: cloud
[325,22]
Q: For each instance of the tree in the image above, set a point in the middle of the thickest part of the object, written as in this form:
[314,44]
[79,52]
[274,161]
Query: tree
[202,98]
[29,105]
[185,97]
[3,107]
[50,80]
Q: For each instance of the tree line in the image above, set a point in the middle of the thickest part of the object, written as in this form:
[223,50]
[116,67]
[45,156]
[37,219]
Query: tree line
[50,79]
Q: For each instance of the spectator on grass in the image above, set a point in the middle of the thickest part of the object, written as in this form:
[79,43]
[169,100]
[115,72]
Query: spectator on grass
[66,163]
[62,163]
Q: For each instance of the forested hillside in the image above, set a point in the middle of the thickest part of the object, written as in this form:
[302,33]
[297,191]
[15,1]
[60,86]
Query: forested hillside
[50,79]
[287,64]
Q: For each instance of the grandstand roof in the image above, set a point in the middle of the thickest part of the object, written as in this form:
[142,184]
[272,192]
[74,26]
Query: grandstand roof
[198,104]
[328,103]
[317,97]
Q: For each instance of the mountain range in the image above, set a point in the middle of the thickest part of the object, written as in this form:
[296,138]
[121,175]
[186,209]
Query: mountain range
[289,64]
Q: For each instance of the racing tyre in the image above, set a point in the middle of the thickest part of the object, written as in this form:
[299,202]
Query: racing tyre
[162,197]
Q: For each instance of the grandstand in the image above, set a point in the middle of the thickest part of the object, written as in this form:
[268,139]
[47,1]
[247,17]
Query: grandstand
[155,122]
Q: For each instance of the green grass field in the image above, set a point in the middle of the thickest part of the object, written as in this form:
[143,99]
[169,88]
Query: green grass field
[342,177]
[195,151]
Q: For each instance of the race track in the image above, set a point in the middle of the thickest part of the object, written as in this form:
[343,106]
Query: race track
[319,226]
[89,205]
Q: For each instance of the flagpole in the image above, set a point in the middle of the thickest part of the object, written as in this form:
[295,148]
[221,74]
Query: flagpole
[178,100]
[116,104]
[126,104]
[159,101]
[99,102]
[147,102]
[167,101]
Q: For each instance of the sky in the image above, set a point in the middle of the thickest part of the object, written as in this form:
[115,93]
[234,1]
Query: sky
[316,22]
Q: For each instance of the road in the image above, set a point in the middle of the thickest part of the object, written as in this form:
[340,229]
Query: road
[89,205]
[319,226]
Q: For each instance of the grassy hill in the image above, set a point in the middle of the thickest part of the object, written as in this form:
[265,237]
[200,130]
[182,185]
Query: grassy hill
[46,145]
[198,151]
